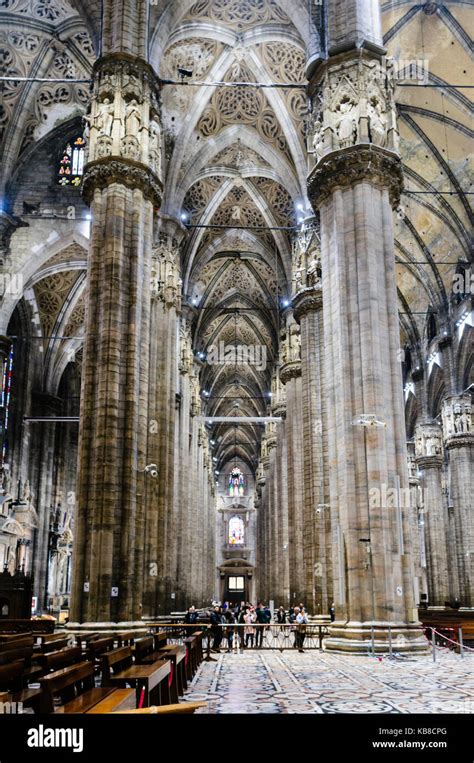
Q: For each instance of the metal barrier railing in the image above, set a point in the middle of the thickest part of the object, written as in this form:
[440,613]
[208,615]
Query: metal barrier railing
[242,636]
[459,644]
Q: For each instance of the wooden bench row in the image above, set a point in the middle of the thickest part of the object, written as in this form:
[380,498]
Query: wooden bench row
[158,676]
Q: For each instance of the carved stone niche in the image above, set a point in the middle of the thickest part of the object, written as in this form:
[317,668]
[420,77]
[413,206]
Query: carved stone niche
[354,103]
[456,415]
[306,258]
[166,282]
[428,444]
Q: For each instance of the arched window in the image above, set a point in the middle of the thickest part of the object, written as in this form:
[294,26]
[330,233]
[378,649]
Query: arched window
[236,485]
[236,531]
[71,165]
[432,328]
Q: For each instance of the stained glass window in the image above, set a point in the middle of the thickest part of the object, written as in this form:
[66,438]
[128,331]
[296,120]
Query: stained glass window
[71,166]
[236,484]
[236,531]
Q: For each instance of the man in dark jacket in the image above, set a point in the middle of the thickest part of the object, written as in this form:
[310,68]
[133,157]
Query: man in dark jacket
[216,629]
[190,618]
[261,621]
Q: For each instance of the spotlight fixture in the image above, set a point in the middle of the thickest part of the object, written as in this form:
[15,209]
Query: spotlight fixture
[184,216]
[368,420]
[183,72]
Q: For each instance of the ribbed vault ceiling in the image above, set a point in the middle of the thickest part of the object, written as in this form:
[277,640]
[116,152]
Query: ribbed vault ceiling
[237,157]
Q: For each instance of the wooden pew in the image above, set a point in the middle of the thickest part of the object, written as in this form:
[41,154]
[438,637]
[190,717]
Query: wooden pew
[47,637]
[199,635]
[121,700]
[27,626]
[192,656]
[55,645]
[83,640]
[161,639]
[5,638]
[16,643]
[74,686]
[127,638]
[114,662]
[12,680]
[31,671]
[97,647]
[144,647]
[185,708]
[144,655]
[62,658]
[151,681]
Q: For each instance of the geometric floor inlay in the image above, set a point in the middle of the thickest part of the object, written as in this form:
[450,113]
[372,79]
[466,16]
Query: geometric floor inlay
[322,682]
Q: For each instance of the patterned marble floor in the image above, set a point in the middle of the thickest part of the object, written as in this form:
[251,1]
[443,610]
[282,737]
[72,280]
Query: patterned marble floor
[319,682]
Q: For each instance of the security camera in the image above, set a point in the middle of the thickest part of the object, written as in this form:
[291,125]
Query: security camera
[152,470]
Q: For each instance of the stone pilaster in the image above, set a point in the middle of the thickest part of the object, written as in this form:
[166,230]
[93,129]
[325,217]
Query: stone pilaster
[429,459]
[459,442]
[122,184]
[290,377]
[183,464]
[42,467]
[161,531]
[356,180]
[417,523]
[308,311]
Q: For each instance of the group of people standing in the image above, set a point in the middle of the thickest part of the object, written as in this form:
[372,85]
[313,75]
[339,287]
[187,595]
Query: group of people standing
[252,620]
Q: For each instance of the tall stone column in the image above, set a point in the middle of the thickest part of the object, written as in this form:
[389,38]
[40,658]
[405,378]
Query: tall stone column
[280,592]
[161,532]
[122,184]
[262,506]
[417,525]
[459,442]
[429,459]
[308,311]
[183,463]
[290,377]
[42,464]
[356,181]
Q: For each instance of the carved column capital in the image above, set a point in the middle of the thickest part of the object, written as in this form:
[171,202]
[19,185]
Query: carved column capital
[456,414]
[348,166]
[428,445]
[279,409]
[104,172]
[308,300]
[291,370]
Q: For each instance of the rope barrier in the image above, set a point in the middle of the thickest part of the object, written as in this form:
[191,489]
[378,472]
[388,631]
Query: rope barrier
[438,633]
